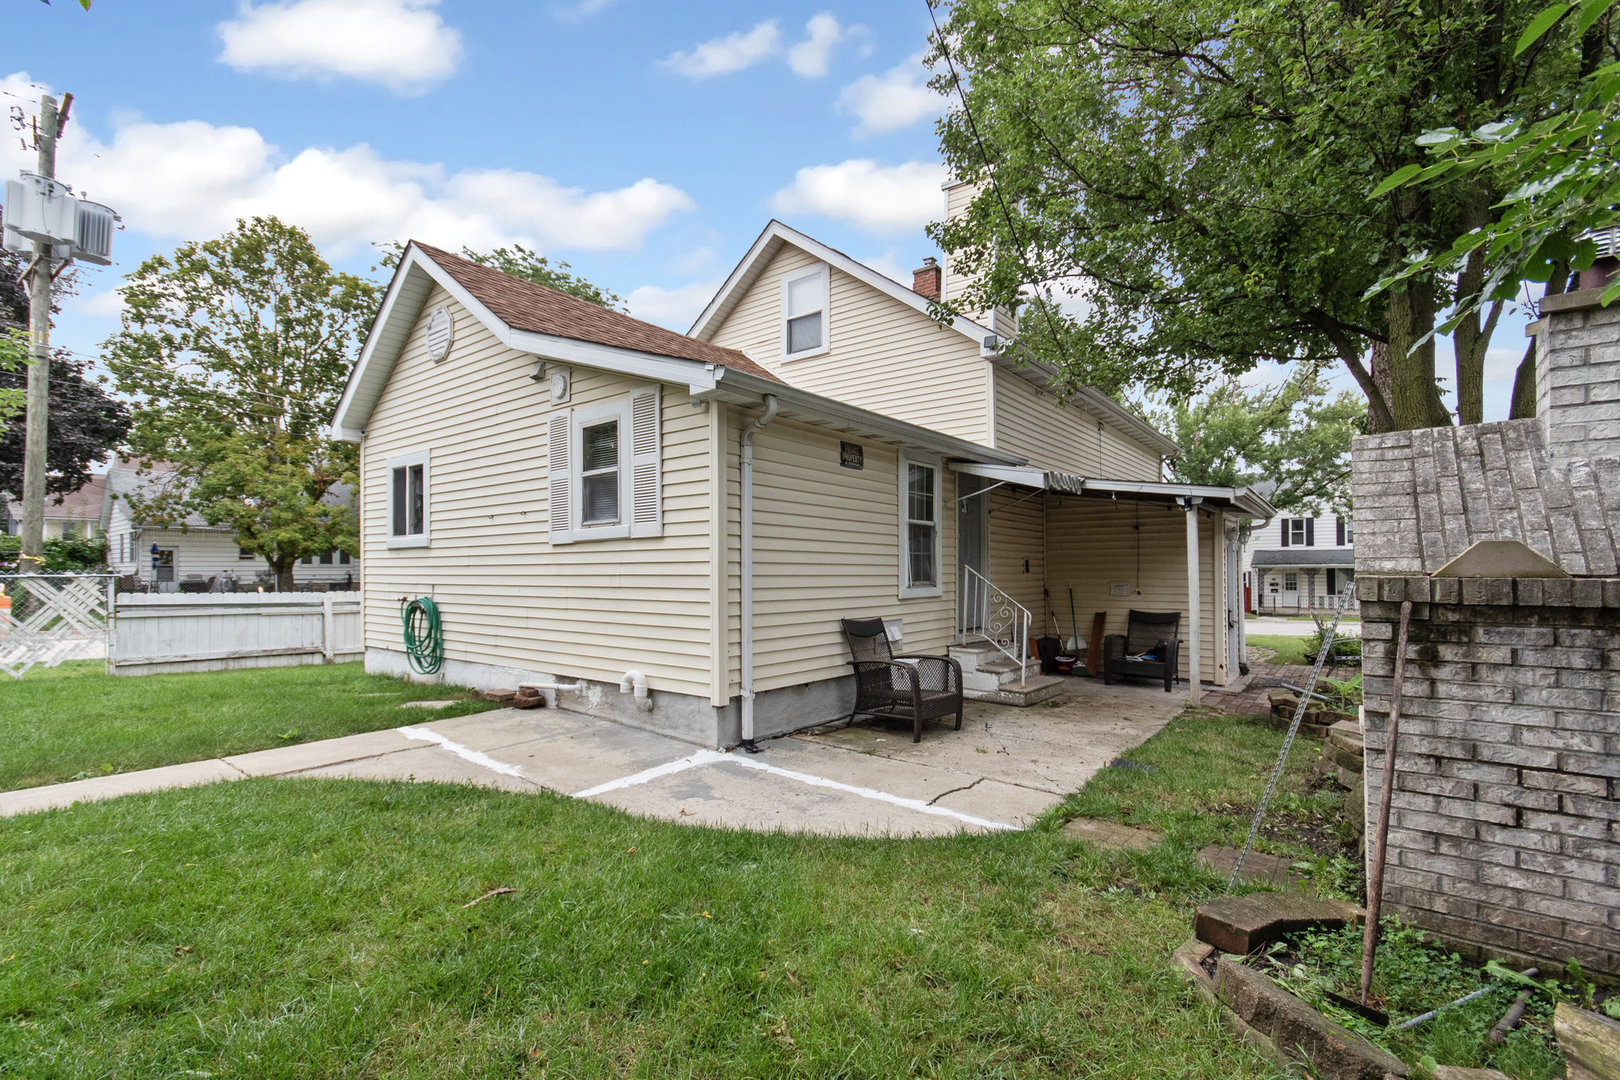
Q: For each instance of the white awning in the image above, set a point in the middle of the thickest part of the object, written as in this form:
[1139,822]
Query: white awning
[1243,500]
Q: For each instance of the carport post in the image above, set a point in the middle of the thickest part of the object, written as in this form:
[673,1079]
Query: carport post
[1195,643]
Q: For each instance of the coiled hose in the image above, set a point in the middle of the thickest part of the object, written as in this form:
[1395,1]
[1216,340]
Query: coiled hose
[424,635]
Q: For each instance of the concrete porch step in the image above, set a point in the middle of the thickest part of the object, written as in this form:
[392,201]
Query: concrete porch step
[1032,691]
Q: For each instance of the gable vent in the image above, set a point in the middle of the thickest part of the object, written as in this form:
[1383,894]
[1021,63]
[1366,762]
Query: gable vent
[441,330]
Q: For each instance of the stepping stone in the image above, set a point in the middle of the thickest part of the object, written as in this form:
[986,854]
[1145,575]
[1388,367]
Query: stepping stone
[1111,834]
[427,704]
[1258,869]
[1242,924]
[1457,1072]
[1590,1042]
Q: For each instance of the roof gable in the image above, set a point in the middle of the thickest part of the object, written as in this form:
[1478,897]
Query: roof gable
[525,317]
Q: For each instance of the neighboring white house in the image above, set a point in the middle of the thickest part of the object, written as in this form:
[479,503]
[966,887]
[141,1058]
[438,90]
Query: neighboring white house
[199,551]
[595,501]
[74,516]
[1294,565]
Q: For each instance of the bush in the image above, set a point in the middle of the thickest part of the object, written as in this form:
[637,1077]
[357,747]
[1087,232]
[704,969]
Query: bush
[61,556]
[1344,645]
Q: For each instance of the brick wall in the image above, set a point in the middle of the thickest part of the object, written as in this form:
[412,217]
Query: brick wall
[1505,827]
[1578,375]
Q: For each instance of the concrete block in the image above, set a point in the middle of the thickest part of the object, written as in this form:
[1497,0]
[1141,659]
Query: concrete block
[1241,924]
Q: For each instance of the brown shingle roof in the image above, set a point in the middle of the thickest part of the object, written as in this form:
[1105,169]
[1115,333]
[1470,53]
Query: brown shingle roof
[523,305]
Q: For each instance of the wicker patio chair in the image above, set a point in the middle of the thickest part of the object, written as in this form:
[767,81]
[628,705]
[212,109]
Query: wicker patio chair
[905,687]
[1147,634]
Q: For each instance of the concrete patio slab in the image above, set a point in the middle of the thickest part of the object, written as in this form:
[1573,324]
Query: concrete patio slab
[51,796]
[993,799]
[730,794]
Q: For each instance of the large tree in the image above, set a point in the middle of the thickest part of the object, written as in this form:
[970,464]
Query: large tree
[1197,174]
[236,351]
[1295,438]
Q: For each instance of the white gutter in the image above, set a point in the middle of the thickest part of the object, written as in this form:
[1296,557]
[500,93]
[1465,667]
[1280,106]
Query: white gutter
[1194,675]
[746,556]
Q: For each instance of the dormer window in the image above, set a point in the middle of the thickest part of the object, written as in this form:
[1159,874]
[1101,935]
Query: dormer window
[804,312]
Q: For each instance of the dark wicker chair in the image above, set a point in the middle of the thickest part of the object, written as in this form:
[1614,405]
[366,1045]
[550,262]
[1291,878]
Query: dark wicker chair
[905,687]
[1147,632]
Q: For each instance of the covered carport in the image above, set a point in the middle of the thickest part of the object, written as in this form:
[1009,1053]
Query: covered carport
[1122,545]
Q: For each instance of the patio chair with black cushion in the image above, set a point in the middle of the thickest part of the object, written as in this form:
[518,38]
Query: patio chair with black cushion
[904,687]
[1149,648]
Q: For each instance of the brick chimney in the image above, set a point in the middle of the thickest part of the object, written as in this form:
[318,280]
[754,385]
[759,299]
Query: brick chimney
[1578,369]
[925,279]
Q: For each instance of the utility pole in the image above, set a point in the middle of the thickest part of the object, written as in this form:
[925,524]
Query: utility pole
[39,369]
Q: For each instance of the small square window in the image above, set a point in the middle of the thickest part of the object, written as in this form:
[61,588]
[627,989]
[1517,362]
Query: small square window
[1291,582]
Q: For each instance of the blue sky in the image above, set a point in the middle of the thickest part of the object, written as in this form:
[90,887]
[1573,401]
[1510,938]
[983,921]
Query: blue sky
[644,142]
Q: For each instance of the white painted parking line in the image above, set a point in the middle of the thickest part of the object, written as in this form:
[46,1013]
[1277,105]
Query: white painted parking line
[669,768]
[713,757]
[869,793]
[466,753]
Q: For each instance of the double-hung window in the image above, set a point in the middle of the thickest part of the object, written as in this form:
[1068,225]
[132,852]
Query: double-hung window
[604,470]
[920,498]
[408,500]
[804,312]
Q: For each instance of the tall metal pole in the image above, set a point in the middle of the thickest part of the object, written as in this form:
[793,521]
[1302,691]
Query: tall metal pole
[39,368]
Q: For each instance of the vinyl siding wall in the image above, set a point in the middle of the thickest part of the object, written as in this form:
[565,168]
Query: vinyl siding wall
[590,609]
[826,547]
[1093,542]
[1030,421]
[1018,533]
[883,355]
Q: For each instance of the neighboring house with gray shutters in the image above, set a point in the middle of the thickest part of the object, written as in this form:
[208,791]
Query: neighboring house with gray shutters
[1505,830]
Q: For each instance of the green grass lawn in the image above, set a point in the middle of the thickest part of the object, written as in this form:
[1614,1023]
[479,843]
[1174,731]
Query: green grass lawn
[1289,650]
[320,928]
[74,721]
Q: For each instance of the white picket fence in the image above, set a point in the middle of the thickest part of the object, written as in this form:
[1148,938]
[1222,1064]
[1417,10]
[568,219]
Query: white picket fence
[216,631]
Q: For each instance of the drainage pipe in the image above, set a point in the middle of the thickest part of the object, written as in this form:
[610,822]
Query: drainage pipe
[746,556]
[635,680]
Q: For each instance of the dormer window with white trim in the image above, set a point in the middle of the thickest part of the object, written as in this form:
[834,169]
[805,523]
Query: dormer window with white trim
[804,312]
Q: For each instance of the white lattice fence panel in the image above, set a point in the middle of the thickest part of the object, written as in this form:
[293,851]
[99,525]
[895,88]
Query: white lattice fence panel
[52,618]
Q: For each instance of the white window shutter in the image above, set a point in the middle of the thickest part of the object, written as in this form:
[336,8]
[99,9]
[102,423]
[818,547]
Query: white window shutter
[558,464]
[646,497]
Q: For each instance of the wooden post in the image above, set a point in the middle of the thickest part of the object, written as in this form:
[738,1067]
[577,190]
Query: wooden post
[35,423]
[1379,839]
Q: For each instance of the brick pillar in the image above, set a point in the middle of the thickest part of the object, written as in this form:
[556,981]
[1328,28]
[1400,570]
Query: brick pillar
[1578,375]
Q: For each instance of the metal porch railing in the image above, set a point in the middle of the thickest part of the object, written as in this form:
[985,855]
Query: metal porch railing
[984,611]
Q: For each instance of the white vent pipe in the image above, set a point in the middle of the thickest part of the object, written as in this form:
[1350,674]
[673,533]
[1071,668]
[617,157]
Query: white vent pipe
[637,682]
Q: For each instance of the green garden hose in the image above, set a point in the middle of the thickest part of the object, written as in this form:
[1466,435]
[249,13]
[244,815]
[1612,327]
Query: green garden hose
[424,636]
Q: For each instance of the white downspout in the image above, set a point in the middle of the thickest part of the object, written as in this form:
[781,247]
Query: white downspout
[746,557]
[1194,675]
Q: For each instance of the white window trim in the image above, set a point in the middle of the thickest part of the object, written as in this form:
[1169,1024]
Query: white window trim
[908,592]
[403,461]
[583,418]
[822,271]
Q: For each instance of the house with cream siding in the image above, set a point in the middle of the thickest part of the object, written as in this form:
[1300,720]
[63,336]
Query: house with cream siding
[1296,565]
[597,504]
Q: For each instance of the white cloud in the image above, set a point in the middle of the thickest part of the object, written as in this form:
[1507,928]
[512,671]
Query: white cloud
[695,261]
[401,44]
[724,55]
[580,11]
[809,57]
[191,180]
[885,199]
[675,308]
[896,99]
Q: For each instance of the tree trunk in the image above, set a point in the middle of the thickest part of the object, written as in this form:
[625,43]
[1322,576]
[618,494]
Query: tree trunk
[1415,400]
[1379,362]
[284,575]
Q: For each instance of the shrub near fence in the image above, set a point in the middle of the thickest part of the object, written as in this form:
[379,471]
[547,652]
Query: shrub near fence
[217,631]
